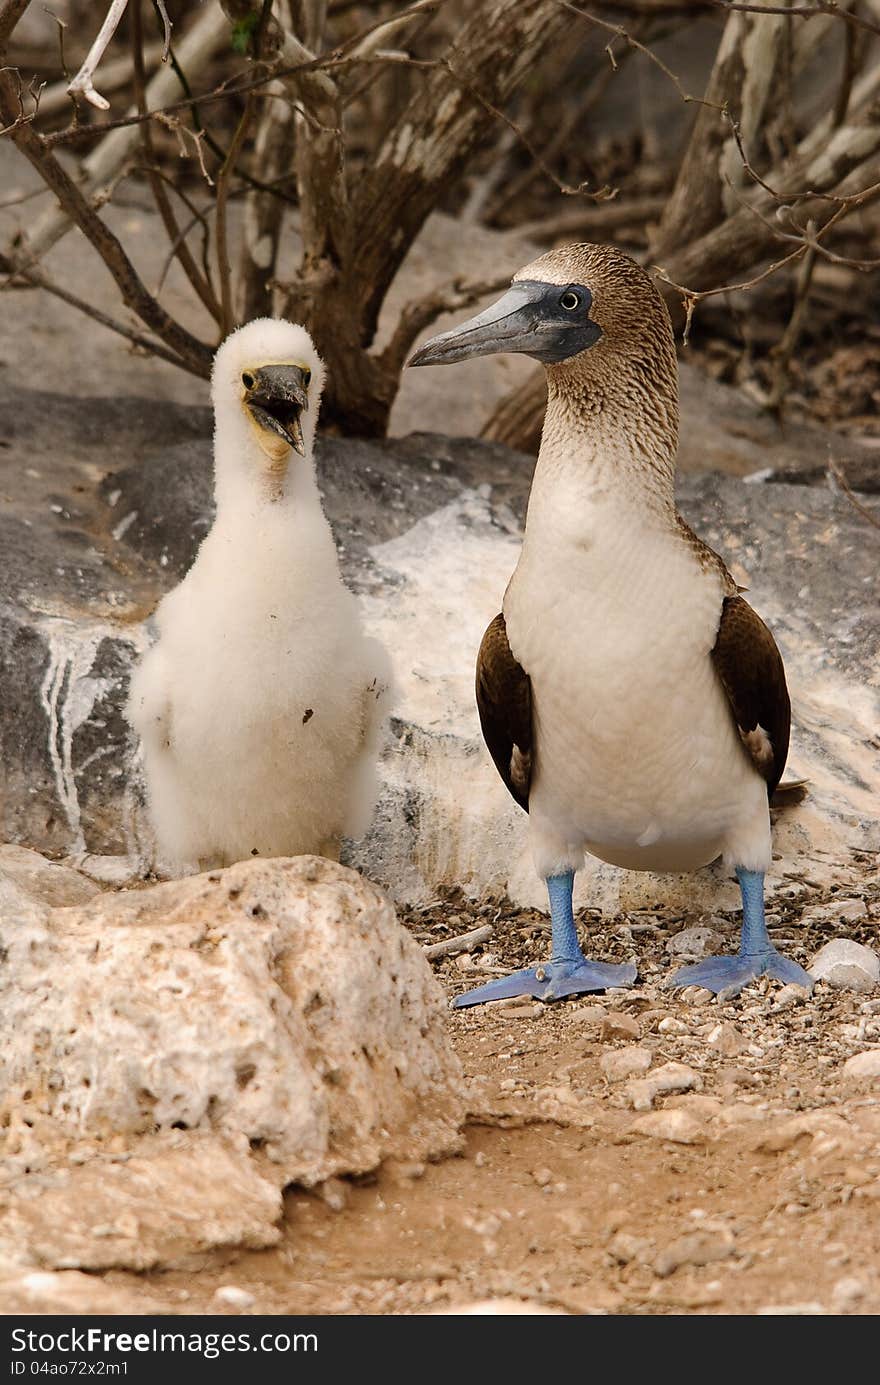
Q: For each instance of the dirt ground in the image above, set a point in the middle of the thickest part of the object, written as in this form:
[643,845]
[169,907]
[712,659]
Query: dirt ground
[751,1190]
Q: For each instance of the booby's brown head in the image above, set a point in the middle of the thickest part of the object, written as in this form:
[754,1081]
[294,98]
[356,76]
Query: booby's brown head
[576,309]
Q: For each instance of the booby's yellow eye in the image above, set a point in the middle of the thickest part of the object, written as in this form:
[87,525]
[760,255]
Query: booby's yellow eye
[569,301]
[248,380]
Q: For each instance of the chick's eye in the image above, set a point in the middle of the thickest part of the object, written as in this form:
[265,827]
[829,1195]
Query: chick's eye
[248,380]
[569,300]
[307,376]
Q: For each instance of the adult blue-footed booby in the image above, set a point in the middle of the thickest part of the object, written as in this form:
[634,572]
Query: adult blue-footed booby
[260,706]
[633,703]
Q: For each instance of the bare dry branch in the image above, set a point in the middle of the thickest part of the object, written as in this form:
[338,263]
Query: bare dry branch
[81,85]
[418,315]
[194,355]
[197,48]
[594,220]
[37,279]
[11,12]
[836,470]
[819,7]
[201,283]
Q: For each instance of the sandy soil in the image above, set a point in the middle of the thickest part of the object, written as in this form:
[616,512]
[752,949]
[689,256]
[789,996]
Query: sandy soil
[755,1192]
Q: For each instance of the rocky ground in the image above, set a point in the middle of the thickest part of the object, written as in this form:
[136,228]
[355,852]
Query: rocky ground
[639,1152]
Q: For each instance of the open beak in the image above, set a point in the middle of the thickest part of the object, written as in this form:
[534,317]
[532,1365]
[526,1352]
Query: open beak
[277,398]
[525,320]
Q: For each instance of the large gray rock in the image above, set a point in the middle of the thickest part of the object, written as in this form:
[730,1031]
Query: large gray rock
[174,1056]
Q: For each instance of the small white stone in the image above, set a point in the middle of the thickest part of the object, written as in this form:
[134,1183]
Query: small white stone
[671,1025]
[671,1077]
[673,1125]
[696,995]
[847,1293]
[836,911]
[725,1038]
[625,1062]
[863,1064]
[694,943]
[847,965]
[232,1297]
[790,995]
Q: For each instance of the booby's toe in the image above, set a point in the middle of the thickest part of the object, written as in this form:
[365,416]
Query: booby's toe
[551,981]
[727,976]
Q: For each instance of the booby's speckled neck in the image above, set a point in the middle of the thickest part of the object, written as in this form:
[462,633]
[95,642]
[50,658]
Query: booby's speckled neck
[611,427]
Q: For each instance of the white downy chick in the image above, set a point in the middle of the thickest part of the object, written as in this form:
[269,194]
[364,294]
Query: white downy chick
[261,705]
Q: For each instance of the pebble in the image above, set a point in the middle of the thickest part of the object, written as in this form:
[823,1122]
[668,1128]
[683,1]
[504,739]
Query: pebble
[696,995]
[789,995]
[863,1064]
[671,1025]
[542,1177]
[677,1126]
[697,1248]
[671,1077]
[847,1293]
[625,1248]
[837,911]
[589,1014]
[693,943]
[334,1193]
[725,1038]
[232,1297]
[620,1025]
[518,1010]
[847,965]
[625,1062]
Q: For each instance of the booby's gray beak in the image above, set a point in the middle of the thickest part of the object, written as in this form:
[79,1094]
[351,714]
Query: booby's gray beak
[549,322]
[276,396]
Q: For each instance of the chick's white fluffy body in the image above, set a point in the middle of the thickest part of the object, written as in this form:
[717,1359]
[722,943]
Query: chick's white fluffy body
[261,704]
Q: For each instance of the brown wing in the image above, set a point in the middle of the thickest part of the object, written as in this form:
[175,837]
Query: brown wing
[504,701]
[750,668]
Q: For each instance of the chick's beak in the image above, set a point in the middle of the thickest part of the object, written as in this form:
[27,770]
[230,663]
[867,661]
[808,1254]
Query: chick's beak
[276,396]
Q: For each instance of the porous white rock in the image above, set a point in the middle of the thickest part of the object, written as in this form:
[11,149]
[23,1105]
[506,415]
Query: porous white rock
[274,1014]
[846,964]
[278,1000]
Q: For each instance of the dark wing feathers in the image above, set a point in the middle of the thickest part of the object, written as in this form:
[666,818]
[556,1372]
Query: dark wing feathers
[504,701]
[750,668]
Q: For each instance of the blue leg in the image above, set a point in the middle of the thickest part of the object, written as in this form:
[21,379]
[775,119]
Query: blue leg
[567,973]
[757,956]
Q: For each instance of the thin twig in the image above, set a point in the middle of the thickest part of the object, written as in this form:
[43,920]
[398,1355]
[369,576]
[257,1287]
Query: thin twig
[38,280]
[828,7]
[463,943]
[836,471]
[166,28]
[419,315]
[201,284]
[82,82]
[784,349]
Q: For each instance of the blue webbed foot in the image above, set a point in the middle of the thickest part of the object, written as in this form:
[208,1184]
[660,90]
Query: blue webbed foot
[727,976]
[551,981]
